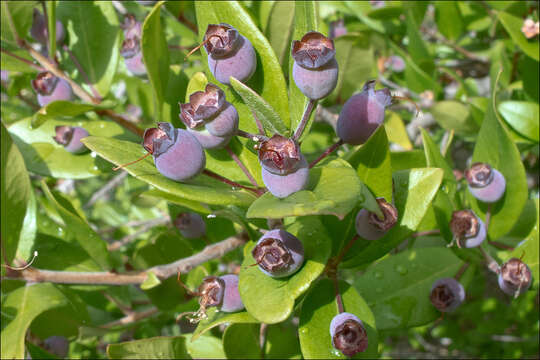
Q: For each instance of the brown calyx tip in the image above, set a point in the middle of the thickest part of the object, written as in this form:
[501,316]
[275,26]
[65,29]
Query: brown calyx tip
[211,292]
[220,39]
[390,214]
[441,297]
[479,175]
[130,47]
[280,154]
[272,255]
[313,50]
[202,106]
[63,135]
[45,83]
[350,338]
[464,224]
[516,272]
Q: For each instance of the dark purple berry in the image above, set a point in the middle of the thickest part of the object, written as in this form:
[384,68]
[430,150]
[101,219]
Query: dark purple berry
[315,69]
[362,114]
[469,231]
[57,345]
[131,47]
[229,53]
[447,294]
[348,334]
[177,154]
[278,253]
[485,183]
[282,186]
[51,88]
[39,30]
[221,292]
[70,138]
[211,119]
[515,277]
[337,29]
[190,225]
[370,227]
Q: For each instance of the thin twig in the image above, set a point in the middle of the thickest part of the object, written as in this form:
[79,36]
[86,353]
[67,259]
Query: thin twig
[260,126]
[327,152]
[163,272]
[230,182]
[492,264]
[461,271]
[241,166]
[339,300]
[346,249]
[131,318]
[26,61]
[305,119]
[189,24]
[254,137]
[125,309]
[114,182]
[129,238]
[433,34]
[122,121]
[501,245]
[83,73]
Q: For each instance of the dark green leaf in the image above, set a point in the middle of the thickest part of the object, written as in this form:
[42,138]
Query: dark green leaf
[16,19]
[448,18]
[216,318]
[282,341]
[241,341]
[162,347]
[318,310]
[279,294]
[196,206]
[522,117]
[279,30]
[397,288]
[417,48]
[513,25]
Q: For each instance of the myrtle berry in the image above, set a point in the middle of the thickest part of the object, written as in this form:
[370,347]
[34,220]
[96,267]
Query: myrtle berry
[211,119]
[370,227]
[70,138]
[57,345]
[447,294]
[337,28]
[39,30]
[221,292]
[315,69]
[362,114]
[468,230]
[348,334]
[485,183]
[131,46]
[515,277]
[191,225]
[229,53]
[278,253]
[51,88]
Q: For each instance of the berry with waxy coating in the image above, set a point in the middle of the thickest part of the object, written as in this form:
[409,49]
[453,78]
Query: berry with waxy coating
[191,225]
[362,114]
[370,227]
[278,253]
[229,53]
[485,183]
[447,294]
[51,88]
[70,138]
[315,69]
[209,117]
[469,231]
[131,46]
[39,30]
[57,345]
[348,334]
[515,277]
[222,292]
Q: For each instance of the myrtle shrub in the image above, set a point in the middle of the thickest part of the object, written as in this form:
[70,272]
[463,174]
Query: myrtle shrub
[269,179]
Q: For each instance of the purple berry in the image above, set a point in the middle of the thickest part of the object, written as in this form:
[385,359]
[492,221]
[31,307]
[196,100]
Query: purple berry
[337,28]
[362,114]
[229,53]
[70,138]
[315,69]
[131,47]
[282,186]
[221,292]
[190,225]
[468,228]
[50,88]
[231,298]
[211,119]
[447,294]
[278,253]
[515,277]
[395,63]
[177,154]
[485,183]
[348,334]
[39,30]
[57,345]
[370,227]
[4,76]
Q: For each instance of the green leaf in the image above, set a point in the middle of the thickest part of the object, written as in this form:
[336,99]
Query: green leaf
[434,158]
[282,341]
[494,146]
[268,80]
[414,192]
[205,347]
[59,108]
[156,54]
[522,117]
[161,347]
[216,318]
[15,194]
[448,18]
[196,206]
[397,288]
[19,308]
[305,20]
[402,160]
[264,111]
[79,229]
[201,189]
[241,341]
[279,30]
[395,130]
[279,294]
[94,38]
[513,25]
[16,19]
[43,156]
[333,189]
[373,165]
[51,25]
[417,47]
[10,63]
[453,115]
[318,310]
[150,282]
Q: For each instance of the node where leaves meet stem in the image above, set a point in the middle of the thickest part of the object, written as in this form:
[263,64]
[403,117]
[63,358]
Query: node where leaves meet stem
[327,152]
[305,118]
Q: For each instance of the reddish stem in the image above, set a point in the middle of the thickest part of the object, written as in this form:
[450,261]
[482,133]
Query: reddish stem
[230,182]
[461,271]
[501,245]
[241,166]
[305,118]
[260,126]
[327,152]
[339,300]
[26,61]
[346,249]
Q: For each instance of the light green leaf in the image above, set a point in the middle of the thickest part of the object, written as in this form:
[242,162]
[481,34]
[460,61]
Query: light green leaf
[434,158]
[16,19]
[161,347]
[216,318]
[513,25]
[453,115]
[319,308]
[448,18]
[196,206]
[397,288]
[395,130]
[279,30]
[241,341]
[279,294]
[57,109]
[522,117]
[150,282]
[205,347]
[51,25]
[417,48]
